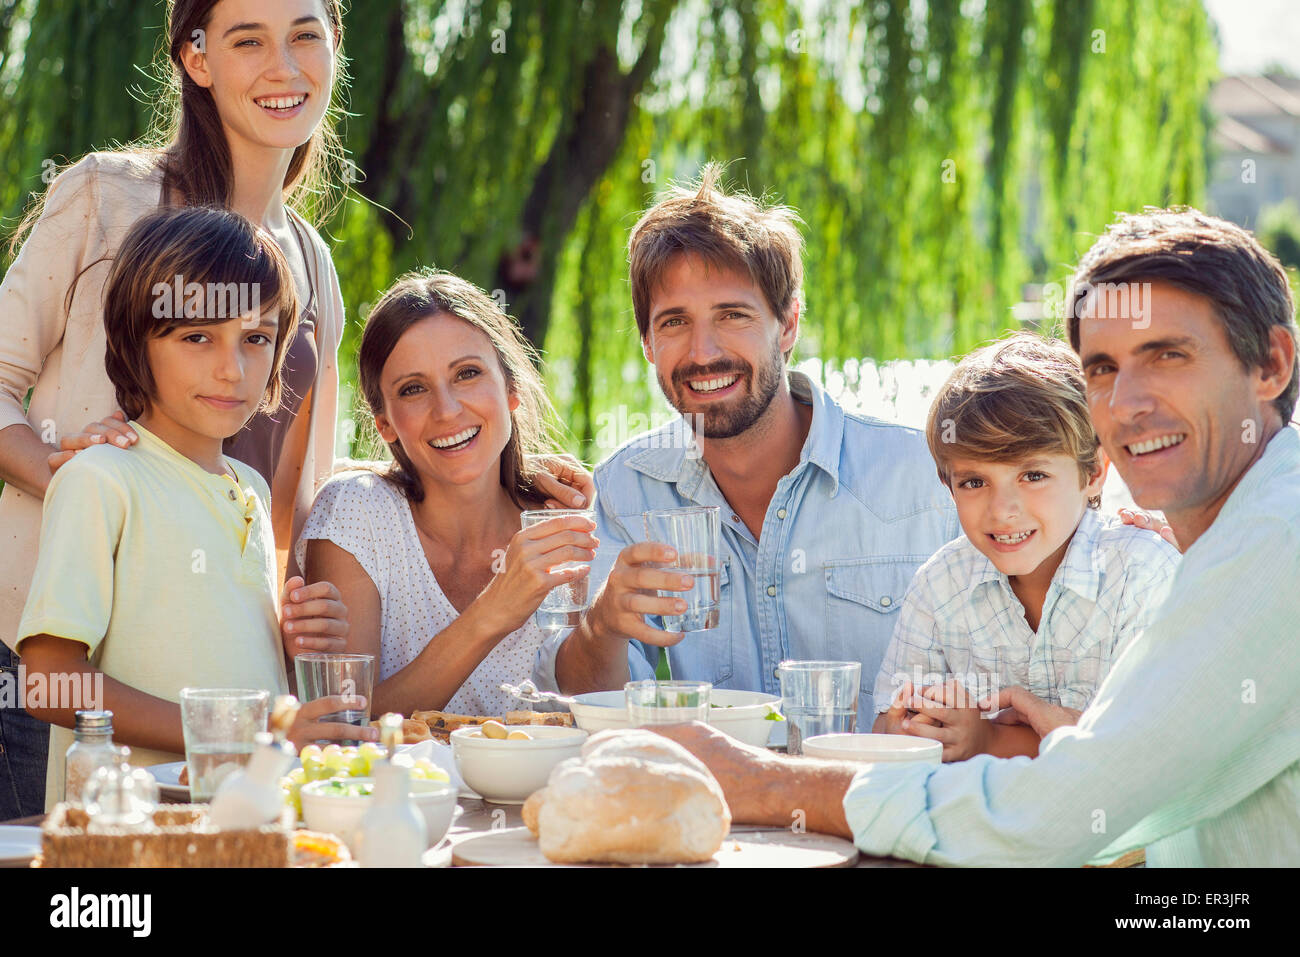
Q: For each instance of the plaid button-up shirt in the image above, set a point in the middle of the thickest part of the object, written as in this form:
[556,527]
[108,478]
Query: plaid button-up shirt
[961,619]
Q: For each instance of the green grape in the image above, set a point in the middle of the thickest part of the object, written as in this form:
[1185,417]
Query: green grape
[335,760]
[297,776]
[358,767]
[371,752]
[310,752]
[428,771]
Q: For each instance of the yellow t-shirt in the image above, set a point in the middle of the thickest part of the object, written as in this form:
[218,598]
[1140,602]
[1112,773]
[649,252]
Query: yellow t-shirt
[163,570]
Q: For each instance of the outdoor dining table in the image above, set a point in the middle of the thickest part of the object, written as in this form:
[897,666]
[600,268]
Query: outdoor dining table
[481,816]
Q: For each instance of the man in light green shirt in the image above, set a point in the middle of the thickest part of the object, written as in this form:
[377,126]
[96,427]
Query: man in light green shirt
[1191,748]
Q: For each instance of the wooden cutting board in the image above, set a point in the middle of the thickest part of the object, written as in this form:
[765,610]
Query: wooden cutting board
[516,847]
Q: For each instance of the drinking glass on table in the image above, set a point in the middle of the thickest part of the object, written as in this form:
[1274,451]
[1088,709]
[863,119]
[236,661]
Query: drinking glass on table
[818,697]
[321,675]
[564,604]
[694,533]
[666,702]
[219,725]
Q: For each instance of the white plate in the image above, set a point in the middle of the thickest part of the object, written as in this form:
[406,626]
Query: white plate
[18,844]
[169,782]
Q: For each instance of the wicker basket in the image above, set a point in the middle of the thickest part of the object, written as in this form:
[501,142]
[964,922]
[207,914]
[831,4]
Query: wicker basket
[182,839]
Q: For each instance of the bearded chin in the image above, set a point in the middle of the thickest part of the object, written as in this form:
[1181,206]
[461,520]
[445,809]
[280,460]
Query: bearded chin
[738,415]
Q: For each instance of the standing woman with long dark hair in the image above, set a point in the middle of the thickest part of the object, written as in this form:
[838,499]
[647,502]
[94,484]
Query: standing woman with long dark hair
[250,128]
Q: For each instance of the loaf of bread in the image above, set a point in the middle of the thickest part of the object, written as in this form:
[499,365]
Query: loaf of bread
[632,797]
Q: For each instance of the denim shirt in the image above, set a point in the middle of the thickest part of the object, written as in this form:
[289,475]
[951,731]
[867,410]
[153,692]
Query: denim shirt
[844,533]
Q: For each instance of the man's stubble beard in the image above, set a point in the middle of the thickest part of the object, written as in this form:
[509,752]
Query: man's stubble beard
[727,423]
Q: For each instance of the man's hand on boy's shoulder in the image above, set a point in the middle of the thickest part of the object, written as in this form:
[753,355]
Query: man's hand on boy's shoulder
[312,618]
[113,429]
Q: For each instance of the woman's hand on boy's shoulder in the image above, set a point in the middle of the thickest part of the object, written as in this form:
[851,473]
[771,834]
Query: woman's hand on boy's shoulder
[113,429]
[1157,524]
[312,618]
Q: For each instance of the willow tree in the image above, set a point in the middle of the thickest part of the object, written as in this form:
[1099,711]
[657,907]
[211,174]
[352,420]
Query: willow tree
[943,154]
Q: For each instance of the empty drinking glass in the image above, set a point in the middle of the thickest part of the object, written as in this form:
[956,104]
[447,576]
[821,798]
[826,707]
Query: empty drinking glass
[564,604]
[818,697]
[321,675]
[694,533]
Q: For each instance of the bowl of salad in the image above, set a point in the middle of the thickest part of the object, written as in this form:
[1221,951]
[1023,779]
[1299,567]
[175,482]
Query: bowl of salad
[748,716]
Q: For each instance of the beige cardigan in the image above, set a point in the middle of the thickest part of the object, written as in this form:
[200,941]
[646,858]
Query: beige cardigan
[59,351]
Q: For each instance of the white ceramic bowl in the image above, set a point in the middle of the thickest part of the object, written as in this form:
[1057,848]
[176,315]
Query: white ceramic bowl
[341,814]
[873,747]
[505,771]
[741,714]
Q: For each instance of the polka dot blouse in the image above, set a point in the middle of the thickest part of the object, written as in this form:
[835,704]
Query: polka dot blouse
[370,518]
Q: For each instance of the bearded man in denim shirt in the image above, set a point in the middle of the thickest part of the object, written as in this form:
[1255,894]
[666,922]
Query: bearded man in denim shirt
[826,515]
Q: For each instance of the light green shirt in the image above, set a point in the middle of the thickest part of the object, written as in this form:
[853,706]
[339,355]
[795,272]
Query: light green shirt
[164,571]
[1190,749]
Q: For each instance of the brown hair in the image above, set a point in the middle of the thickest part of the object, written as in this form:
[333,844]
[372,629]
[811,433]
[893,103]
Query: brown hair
[188,143]
[423,294]
[214,248]
[727,231]
[1205,256]
[1020,396]
[197,163]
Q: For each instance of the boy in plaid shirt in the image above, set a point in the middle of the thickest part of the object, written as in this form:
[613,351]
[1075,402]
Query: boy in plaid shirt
[1039,592]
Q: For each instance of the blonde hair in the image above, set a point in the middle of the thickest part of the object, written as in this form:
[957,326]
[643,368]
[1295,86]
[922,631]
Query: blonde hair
[1019,396]
[726,230]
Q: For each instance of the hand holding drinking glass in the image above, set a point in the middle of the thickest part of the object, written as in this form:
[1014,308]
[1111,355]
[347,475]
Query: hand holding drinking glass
[534,563]
[633,590]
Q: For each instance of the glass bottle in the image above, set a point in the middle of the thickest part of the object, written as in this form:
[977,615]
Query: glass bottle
[91,749]
[393,832]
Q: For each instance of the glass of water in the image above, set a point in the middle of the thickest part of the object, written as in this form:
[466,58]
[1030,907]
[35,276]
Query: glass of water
[219,725]
[321,675]
[818,697]
[564,604]
[666,702]
[695,534]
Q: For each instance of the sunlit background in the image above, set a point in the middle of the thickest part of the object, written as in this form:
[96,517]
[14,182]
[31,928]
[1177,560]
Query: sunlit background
[951,158]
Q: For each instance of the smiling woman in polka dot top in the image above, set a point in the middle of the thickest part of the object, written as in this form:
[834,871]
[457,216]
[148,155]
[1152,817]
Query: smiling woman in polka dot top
[439,580]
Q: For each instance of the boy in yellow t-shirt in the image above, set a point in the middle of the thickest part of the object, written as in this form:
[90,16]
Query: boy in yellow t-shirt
[157,563]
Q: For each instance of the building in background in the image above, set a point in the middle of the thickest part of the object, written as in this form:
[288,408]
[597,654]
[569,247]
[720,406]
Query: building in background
[1256,146]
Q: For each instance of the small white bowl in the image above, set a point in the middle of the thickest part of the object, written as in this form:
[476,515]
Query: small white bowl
[741,714]
[341,814]
[505,771]
[873,747]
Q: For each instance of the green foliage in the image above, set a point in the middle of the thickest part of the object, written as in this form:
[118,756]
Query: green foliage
[1279,230]
[943,154]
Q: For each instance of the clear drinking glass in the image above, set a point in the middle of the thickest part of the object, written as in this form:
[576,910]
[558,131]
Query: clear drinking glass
[219,725]
[666,702]
[321,675]
[695,534]
[818,697]
[563,605]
